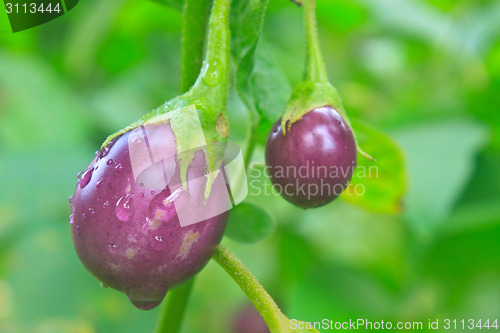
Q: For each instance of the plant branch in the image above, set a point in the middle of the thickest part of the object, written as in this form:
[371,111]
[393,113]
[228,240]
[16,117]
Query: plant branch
[271,313]
[315,65]
[170,320]
[194,24]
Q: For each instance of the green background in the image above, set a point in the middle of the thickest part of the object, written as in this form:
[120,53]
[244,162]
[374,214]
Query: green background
[427,72]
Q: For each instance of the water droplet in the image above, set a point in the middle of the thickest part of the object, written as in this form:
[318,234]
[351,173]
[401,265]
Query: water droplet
[144,304]
[71,219]
[173,196]
[153,192]
[70,200]
[210,74]
[112,248]
[105,205]
[99,183]
[146,226]
[147,297]
[96,167]
[109,162]
[91,210]
[138,141]
[104,151]
[124,210]
[78,230]
[79,175]
[96,153]
[119,167]
[158,243]
[84,216]
[141,195]
[86,177]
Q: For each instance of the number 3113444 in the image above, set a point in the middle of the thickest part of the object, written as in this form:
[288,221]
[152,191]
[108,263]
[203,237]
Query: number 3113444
[31,8]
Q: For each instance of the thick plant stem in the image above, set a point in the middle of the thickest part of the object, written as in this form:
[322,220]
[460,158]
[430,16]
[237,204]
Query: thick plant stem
[271,313]
[315,65]
[213,80]
[194,24]
[170,320]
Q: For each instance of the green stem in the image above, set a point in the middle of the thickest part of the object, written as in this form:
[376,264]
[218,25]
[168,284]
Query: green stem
[213,80]
[271,313]
[315,65]
[170,320]
[194,24]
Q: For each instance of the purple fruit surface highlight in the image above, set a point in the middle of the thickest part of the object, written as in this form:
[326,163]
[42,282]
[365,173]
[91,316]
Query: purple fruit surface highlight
[313,162]
[134,226]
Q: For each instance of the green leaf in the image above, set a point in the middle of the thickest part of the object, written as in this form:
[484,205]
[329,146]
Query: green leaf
[176,4]
[247,20]
[262,130]
[249,224]
[441,159]
[377,186]
[267,76]
[269,86]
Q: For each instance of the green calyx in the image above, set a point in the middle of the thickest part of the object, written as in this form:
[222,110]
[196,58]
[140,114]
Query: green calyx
[198,118]
[307,96]
[315,91]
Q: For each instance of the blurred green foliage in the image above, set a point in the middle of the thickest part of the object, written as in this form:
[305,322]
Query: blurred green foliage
[426,72]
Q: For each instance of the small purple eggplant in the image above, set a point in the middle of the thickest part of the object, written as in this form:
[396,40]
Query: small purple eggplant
[312,163]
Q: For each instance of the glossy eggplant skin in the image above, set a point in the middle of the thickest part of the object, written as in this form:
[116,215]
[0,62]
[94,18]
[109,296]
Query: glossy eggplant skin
[129,237]
[312,163]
